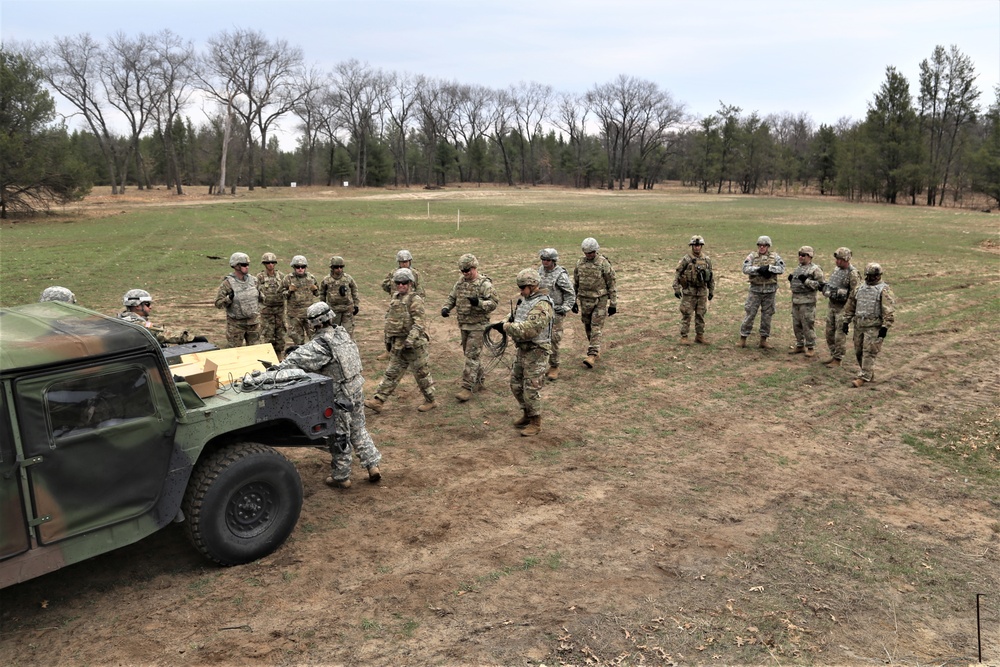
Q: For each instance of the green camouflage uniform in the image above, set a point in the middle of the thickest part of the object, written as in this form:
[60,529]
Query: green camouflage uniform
[342,295]
[334,354]
[300,293]
[804,302]
[162,335]
[531,330]
[594,284]
[841,285]
[272,310]
[407,341]
[241,299]
[472,320]
[695,280]
[560,289]
[871,307]
[763,291]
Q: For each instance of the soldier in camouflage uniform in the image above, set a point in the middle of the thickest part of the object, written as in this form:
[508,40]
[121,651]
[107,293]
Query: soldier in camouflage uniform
[872,307]
[333,353]
[694,285]
[138,304]
[531,330]
[842,284]
[341,292]
[596,296]
[239,295]
[56,293]
[272,310]
[300,290]
[404,260]
[406,339]
[763,268]
[474,297]
[805,280]
[555,281]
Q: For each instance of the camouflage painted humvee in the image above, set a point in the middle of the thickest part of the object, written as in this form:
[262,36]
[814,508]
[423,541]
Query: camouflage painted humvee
[100,446]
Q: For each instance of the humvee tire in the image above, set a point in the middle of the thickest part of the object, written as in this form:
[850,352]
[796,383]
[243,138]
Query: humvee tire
[242,503]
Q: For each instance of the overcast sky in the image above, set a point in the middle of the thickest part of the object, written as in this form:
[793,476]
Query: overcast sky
[825,58]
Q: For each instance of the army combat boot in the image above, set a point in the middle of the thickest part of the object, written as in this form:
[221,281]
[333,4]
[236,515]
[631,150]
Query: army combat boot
[374,404]
[591,359]
[833,363]
[794,349]
[338,484]
[552,374]
[857,382]
[764,345]
[810,352]
[464,395]
[523,421]
[700,339]
[374,474]
[685,340]
[743,341]
[533,427]
[427,406]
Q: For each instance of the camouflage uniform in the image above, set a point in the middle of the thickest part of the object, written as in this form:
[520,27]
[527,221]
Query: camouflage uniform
[594,284]
[162,335]
[695,282]
[300,292]
[389,288]
[472,320]
[842,283]
[241,299]
[531,330]
[804,281]
[342,295]
[334,354]
[559,287]
[407,341]
[763,291]
[872,309]
[272,310]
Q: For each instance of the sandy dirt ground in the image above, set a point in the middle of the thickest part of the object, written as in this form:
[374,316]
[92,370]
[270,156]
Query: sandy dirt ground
[669,513]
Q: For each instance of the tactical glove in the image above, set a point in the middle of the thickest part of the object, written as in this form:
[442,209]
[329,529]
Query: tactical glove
[802,278]
[575,308]
[444,312]
[498,326]
[790,276]
[356,309]
[883,331]
[474,300]
[343,290]
[612,310]
[510,318]
[710,295]
[845,327]
[764,272]
[199,339]
[677,293]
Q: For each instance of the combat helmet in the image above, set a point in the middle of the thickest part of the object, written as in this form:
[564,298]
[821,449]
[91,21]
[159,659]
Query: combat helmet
[843,254]
[238,258]
[548,253]
[807,250]
[268,258]
[134,297]
[56,293]
[590,245]
[527,277]
[873,272]
[403,256]
[299,260]
[336,261]
[402,276]
[467,261]
[764,240]
[697,240]
[319,314]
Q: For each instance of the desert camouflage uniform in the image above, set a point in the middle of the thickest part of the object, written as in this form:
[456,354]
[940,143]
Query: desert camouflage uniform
[472,320]
[298,300]
[531,330]
[594,284]
[342,295]
[272,310]
[407,341]
[162,335]
[389,287]
[334,354]
[763,291]
[560,289]
[241,299]
[804,303]
[871,307]
[695,280]
[841,285]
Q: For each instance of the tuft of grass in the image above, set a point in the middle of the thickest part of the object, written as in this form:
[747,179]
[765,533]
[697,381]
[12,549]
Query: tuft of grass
[970,446]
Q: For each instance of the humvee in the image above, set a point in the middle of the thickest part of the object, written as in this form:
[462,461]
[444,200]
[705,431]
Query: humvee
[100,446]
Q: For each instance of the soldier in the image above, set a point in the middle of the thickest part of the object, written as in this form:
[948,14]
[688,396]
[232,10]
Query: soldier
[341,292]
[596,296]
[763,268]
[300,290]
[406,340]
[333,353]
[475,298]
[805,280]
[272,311]
[531,330]
[404,260]
[239,295]
[56,293]
[872,307]
[694,285]
[555,280]
[842,284]
[138,304]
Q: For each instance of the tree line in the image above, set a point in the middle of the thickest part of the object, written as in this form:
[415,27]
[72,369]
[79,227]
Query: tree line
[371,127]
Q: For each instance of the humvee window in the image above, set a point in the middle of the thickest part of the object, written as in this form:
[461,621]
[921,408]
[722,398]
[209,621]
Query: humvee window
[99,401]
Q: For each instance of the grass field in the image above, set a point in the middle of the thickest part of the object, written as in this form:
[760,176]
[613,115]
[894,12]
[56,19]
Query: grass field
[682,505]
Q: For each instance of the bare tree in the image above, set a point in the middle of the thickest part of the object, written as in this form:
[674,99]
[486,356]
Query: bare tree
[531,106]
[314,113]
[401,91]
[437,104]
[501,115]
[571,117]
[472,125]
[361,93]
[175,62]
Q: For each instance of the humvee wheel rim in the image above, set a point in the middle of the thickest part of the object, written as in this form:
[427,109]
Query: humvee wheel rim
[250,509]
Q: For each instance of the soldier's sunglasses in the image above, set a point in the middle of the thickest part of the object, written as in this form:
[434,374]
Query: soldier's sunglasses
[402,282]
[466,270]
[242,264]
[147,304]
[269,262]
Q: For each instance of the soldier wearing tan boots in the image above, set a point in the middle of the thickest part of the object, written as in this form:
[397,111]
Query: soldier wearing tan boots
[694,285]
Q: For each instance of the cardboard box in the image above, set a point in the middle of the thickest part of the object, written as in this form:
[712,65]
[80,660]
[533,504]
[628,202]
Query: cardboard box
[232,363]
[202,378]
